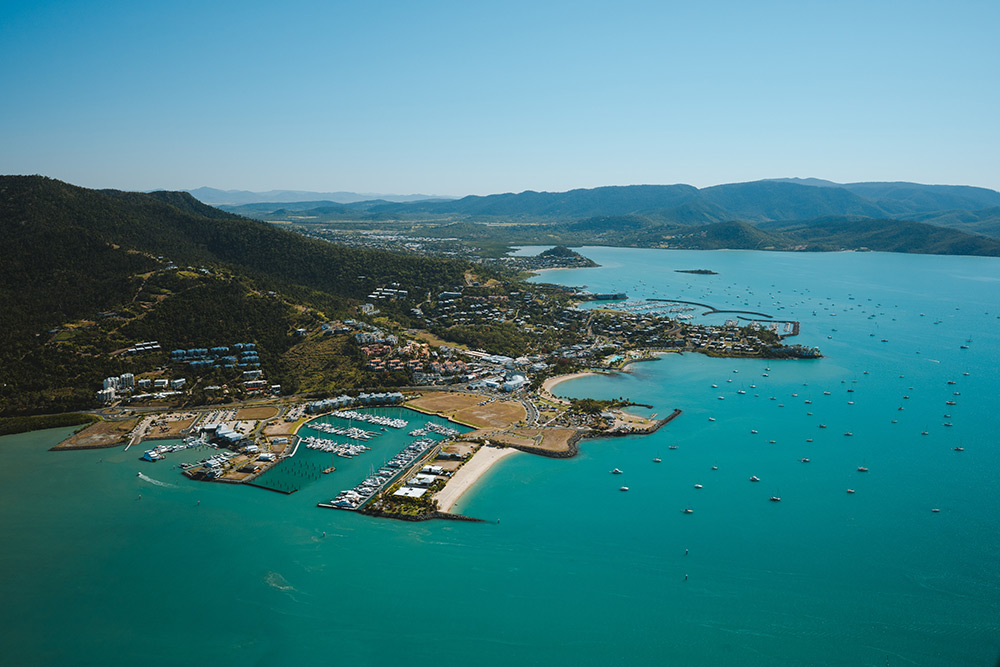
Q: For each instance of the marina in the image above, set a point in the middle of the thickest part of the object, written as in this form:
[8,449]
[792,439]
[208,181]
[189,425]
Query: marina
[848,568]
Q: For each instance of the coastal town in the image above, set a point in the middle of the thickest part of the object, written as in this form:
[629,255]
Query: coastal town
[422,354]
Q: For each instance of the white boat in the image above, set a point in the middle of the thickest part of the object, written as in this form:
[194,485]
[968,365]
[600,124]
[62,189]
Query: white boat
[616,471]
[754,478]
[623,488]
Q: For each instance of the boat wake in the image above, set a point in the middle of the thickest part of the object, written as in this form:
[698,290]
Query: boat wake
[156,481]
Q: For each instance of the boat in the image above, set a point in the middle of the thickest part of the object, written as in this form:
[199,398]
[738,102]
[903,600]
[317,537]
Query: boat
[698,486]
[952,382]
[775,499]
[950,403]
[672,447]
[657,460]
[616,471]
[848,433]
[850,490]
[924,433]
[822,425]
[722,398]
[754,478]
[327,471]
[754,431]
[803,460]
[935,510]
[623,488]
[958,449]
[715,467]
[711,419]
[687,510]
[862,469]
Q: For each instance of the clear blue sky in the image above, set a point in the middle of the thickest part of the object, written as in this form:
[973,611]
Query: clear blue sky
[473,98]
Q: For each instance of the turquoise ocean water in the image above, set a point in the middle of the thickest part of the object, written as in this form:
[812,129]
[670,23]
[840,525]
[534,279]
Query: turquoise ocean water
[576,572]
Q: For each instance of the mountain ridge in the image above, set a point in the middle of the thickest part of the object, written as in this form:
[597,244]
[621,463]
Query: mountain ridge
[754,202]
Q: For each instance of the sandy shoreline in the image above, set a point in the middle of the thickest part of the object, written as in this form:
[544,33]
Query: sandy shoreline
[549,384]
[469,474]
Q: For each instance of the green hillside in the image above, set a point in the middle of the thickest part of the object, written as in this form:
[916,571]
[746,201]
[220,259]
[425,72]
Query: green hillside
[884,235]
[84,273]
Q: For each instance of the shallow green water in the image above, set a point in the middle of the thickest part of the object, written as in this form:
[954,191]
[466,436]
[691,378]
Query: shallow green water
[577,572]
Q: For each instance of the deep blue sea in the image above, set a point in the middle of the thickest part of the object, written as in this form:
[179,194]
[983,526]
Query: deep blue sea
[569,570]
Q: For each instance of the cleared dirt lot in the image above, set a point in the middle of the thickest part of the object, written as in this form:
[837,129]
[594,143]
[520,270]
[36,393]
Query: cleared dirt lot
[101,434]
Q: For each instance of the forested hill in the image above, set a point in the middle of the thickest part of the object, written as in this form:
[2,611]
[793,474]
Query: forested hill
[84,274]
[757,201]
[67,249]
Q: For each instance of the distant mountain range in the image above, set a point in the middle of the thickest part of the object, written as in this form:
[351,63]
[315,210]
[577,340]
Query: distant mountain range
[215,197]
[969,209]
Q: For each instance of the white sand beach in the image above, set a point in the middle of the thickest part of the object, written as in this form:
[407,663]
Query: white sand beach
[469,473]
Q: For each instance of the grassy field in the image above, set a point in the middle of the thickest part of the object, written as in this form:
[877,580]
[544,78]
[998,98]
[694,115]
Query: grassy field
[466,409]
[259,413]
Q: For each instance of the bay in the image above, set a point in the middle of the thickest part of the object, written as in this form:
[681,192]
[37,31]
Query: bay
[569,569]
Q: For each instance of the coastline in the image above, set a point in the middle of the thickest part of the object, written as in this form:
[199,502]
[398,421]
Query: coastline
[469,474]
[551,383]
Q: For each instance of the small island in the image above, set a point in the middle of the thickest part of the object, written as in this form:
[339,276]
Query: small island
[700,272]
